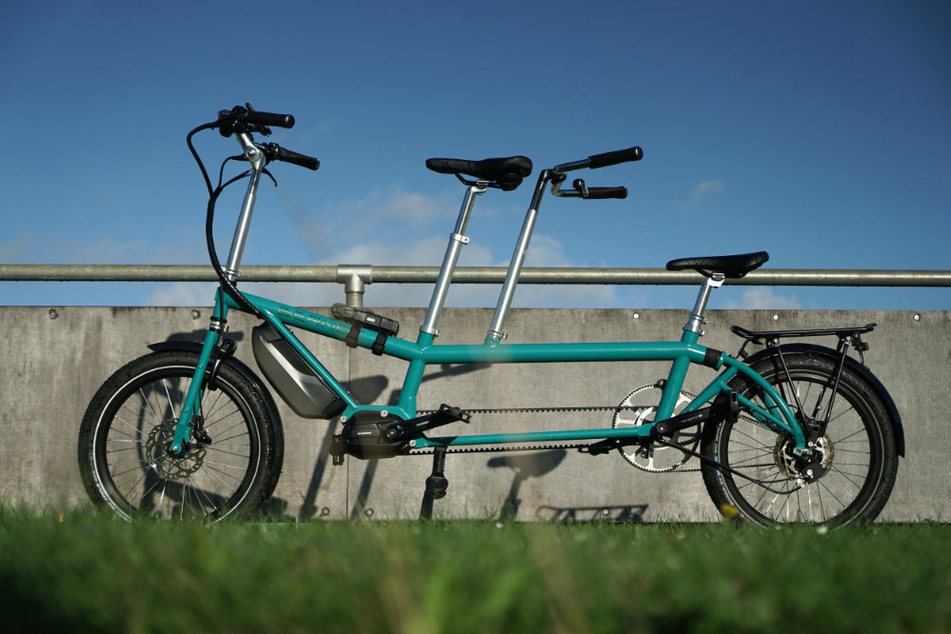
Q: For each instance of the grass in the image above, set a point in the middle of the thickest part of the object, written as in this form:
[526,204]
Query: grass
[85,571]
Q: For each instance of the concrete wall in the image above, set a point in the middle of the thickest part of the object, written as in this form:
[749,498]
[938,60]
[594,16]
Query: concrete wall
[54,359]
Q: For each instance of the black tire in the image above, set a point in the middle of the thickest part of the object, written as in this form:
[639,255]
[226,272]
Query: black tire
[859,459]
[126,430]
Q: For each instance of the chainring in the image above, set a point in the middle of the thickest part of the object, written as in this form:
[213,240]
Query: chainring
[638,408]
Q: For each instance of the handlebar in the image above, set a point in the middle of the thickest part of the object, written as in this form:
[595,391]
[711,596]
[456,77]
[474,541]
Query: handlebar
[595,161]
[247,119]
[270,119]
[613,158]
[598,193]
[274,152]
[605,159]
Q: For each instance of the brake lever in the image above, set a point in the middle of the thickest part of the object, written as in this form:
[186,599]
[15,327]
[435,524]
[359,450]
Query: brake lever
[598,193]
[556,180]
[235,121]
[578,190]
[259,127]
[580,187]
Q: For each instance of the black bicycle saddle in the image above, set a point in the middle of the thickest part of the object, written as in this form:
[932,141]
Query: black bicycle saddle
[732,266]
[506,172]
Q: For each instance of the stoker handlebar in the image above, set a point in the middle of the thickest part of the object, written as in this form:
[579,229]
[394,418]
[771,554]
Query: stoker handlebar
[613,158]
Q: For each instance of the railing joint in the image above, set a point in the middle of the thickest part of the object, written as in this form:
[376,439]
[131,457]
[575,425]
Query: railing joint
[354,278]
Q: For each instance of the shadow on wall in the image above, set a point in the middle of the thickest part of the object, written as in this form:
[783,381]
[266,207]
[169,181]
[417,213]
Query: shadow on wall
[524,465]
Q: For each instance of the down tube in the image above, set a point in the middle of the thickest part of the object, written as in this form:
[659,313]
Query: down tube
[278,315]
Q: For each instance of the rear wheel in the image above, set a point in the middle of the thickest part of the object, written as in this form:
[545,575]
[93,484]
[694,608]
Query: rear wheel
[131,420]
[848,478]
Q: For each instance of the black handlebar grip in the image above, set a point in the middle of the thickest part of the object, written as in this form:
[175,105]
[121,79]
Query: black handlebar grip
[303,160]
[613,158]
[270,119]
[594,193]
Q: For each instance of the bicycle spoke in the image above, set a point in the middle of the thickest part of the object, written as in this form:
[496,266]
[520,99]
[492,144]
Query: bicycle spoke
[127,443]
[837,482]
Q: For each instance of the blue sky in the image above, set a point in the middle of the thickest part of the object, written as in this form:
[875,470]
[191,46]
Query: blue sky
[818,131]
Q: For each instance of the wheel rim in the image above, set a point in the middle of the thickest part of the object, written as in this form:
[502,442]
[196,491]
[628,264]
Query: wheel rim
[833,488]
[137,478]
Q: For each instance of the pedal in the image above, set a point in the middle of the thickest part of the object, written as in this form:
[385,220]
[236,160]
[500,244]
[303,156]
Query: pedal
[443,416]
[726,406]
[447,414]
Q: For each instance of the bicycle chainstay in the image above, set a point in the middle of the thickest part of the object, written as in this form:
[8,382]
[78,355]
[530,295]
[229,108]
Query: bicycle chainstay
[766,484]
[523,446]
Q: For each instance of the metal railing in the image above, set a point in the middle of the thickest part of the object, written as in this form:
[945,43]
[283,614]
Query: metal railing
[354,278]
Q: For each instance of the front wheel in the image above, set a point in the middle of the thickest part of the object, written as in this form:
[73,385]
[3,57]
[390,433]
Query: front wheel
[131,420]
[851,473]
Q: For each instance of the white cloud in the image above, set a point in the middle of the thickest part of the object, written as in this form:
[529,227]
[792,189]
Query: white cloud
[702,192]
[183,294]
[545,251]
[395,203]
[763,298]
[383,215]
[426,252]
[394,215]
[410,207]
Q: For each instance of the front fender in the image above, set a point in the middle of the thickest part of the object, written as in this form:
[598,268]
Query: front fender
[247,373]
[863,371]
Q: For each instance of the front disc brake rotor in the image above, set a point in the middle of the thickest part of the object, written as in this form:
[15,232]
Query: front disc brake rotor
[172,467]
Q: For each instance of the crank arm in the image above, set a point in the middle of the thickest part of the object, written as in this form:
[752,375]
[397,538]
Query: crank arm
[415,426]
[725,406]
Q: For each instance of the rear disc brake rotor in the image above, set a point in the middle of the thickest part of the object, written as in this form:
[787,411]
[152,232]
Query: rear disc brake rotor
[808,469]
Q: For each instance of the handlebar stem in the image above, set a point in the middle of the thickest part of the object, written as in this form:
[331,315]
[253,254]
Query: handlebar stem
[256,157]
[496,332]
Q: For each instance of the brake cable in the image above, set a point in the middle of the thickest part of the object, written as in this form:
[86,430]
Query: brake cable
[225,283]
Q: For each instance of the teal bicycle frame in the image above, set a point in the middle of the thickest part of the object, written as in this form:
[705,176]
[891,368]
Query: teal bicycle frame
[425,351]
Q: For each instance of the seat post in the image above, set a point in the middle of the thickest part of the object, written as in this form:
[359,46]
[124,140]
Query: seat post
[697,317]
[457,240]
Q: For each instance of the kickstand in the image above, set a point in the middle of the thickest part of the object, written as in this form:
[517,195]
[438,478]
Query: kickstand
[436,484]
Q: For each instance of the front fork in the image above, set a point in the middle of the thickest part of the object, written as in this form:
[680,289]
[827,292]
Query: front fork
[215,348]
[214,352]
